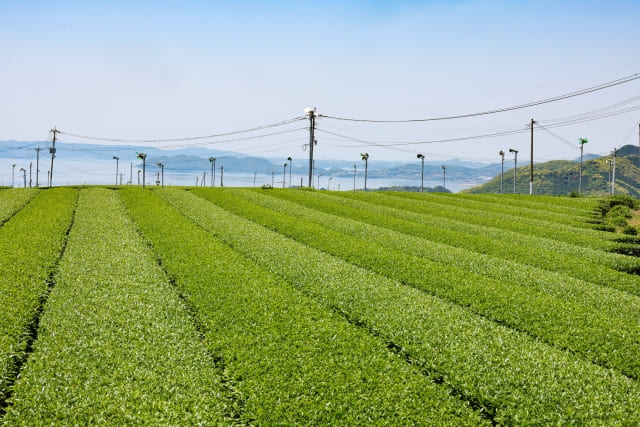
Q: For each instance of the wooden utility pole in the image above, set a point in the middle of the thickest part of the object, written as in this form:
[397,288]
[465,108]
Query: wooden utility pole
[582,141]
[311,112]
[613,175]
[212,160]
[37,165]
[52,150]
[501,153]
[531,164]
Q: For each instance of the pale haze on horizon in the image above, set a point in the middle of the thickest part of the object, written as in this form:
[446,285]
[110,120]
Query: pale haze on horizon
[161,70]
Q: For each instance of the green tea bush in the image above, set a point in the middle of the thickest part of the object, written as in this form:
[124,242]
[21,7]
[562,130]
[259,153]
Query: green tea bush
[606,205]
[116,345]
[596,266]
[511,375]
[625,200]
[619,210]
[507,301]
[12,200]
[27,259]
[289,359]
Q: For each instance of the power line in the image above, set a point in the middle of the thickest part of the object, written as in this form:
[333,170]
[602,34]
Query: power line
[214,142]
[598,110]
[433,141]
[633,128]
[596,117]
[245,138]
[556,136]
[501,110]
[390,144]
[191,138]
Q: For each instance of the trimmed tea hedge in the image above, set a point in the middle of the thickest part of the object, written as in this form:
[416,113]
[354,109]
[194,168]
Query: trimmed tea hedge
[30,245]
[515,378]
[116,345]
[290,360]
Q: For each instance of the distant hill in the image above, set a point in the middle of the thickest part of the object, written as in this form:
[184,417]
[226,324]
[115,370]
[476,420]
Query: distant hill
[561,177]
[459,173]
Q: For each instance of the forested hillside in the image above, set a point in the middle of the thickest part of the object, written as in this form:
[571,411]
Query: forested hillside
[561,177]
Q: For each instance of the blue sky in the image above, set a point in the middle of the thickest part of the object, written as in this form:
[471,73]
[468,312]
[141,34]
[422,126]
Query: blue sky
[165,69]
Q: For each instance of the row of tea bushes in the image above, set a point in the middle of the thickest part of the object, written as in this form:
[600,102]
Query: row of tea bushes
[116,345]
[30,246]
[290,360]
[513,377]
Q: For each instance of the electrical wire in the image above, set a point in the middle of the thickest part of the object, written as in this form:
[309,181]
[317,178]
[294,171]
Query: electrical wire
[628,135]
[245,138]
[556,136]
[500,110]
[596,111]
[191,138]
[433,141]
[484,136]
[207,143]
[592,118]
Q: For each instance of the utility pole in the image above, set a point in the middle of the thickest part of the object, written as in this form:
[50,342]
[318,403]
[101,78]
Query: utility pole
[609,181]
[204,178]
[117,159]
[311,112]
[365,157]
[37,165]
[131,174]
[212,160]
[290,167]
[52,150]
[444,178]
[531,164]
[254,178]
[613,176]
[30,180]
[502,170]
[319,181]
[581,141]
[515,168]
[13,175]
[24,176]
[421,157]
[221,175]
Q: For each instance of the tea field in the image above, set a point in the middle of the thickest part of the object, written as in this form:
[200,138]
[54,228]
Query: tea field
[236,306]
